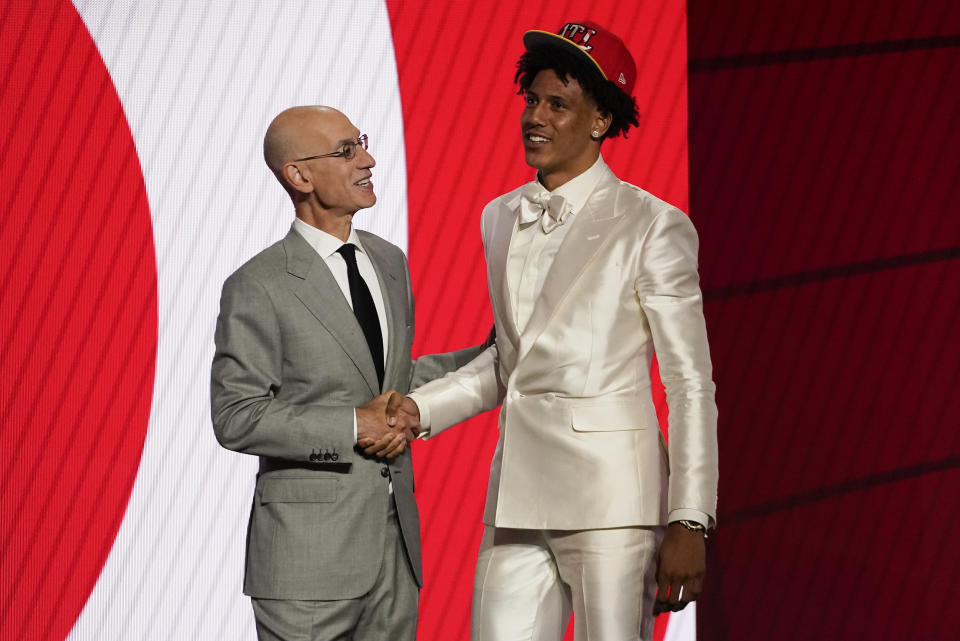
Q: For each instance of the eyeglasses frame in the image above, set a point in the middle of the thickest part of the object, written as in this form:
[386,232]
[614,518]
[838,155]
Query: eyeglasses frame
[347,153]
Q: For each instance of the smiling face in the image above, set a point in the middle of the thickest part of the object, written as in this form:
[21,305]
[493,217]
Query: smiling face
[557,121]
[334,184]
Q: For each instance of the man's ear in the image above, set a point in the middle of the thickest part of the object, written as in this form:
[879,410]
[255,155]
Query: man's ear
[601,122]
[296,178]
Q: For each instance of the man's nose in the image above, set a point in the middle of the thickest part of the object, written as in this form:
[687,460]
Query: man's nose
[532,115]
[366,158]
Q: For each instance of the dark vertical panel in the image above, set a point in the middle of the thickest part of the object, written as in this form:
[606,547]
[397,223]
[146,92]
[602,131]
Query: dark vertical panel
[824,172]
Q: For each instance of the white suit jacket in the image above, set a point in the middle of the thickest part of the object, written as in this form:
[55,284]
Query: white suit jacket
[579,445]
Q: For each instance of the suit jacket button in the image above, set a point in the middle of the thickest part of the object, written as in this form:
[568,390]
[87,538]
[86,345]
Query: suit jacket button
[326,456]
[334,457]
[313,458]
[384,472]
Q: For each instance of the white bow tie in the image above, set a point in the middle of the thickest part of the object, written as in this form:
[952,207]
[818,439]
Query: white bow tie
[536,202]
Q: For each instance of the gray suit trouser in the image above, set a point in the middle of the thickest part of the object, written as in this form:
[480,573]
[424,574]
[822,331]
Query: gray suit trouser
[388,611]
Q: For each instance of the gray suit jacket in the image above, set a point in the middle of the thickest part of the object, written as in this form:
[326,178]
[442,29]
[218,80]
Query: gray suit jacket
[291,364]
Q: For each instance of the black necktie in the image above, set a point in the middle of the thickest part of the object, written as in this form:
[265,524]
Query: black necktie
[364,309]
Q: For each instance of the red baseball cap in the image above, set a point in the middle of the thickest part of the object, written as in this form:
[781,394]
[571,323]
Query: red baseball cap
[601,47]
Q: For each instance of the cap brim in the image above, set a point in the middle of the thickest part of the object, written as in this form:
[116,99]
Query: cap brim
[536,37]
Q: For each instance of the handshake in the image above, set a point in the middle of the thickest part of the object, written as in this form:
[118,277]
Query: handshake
[386,424]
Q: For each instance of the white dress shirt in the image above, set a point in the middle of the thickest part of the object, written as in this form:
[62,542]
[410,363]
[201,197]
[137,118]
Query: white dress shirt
[326,245]
[532,250]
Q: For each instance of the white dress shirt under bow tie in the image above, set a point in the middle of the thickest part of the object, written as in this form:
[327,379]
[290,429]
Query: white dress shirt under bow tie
[534,246]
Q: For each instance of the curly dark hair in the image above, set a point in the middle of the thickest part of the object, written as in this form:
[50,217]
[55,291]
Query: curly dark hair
[609,98]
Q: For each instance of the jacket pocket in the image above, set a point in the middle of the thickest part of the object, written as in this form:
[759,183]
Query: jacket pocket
[298,490]
[616,415]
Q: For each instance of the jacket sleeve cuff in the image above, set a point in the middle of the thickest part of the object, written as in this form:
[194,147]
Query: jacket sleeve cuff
[424,414]
[687,514]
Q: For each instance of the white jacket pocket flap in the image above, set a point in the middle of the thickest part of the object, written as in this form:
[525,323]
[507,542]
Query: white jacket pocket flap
[610,416]
[298,490]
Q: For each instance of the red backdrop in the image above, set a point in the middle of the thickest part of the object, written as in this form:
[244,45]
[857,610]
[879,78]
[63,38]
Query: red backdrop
[78,328]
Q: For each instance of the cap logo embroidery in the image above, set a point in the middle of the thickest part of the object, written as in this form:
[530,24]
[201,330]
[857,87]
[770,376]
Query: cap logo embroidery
[574,32]
[622,80]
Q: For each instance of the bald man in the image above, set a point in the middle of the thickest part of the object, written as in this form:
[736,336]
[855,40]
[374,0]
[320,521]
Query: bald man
[314,334]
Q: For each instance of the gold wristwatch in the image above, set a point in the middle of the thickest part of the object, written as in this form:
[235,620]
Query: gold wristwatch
[693,526]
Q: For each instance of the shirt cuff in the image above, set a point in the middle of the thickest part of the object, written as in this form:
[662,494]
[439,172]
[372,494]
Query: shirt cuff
[424,415]
[687,514]
[354,427]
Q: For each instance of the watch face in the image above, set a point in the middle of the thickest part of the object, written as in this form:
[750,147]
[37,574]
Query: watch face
[693,526]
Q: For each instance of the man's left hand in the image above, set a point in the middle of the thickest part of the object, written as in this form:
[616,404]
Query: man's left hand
[681,564]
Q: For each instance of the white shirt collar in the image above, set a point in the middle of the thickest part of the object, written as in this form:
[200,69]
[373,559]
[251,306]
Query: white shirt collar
[323,243]
[577,190]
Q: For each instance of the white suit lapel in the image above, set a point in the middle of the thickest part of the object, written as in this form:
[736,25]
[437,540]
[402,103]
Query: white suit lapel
[592,228]
[504,224]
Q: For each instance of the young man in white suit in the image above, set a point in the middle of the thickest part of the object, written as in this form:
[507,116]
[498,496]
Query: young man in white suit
[587,275]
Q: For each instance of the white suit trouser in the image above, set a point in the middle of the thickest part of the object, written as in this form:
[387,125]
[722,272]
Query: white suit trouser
[527,582]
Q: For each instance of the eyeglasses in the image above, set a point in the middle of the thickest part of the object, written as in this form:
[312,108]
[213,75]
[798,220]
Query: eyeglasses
[347,152]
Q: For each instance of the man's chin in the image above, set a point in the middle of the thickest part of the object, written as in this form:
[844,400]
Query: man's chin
[534,158]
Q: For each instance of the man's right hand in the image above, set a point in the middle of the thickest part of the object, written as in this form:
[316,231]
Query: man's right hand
[374,435]
[402,411]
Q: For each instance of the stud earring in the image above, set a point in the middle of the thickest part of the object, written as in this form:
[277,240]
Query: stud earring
[595,134]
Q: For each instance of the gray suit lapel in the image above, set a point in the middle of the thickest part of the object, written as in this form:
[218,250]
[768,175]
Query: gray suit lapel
[391,277]
[320,293]
[591,230]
